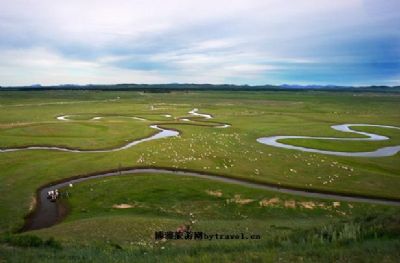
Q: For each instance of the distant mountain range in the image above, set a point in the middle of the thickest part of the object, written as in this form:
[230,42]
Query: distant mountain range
[295,86]
[198,87]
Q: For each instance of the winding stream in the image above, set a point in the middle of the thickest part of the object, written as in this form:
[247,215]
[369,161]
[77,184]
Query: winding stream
[195,113]
[48,213]
[381,152]
[163,133]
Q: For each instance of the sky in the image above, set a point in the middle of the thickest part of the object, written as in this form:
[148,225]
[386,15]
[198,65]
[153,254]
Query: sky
[255,42]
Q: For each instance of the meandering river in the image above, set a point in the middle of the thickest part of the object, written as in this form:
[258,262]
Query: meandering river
[381,152]
[163,133]
[48,213]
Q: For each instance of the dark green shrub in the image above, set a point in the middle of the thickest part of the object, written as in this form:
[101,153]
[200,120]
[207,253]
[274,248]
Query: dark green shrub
[30,241]
[24,241]
[51,242]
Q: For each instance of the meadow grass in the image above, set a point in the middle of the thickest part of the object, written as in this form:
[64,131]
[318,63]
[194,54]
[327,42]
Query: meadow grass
[160,201]
[156,202]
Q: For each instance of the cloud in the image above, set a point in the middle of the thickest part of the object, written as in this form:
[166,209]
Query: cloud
[48,68]
[254,41]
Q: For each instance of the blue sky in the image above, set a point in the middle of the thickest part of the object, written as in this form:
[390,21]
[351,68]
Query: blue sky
[343,42]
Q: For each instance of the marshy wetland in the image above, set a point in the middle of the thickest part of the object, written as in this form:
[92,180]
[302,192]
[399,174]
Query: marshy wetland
[175,150]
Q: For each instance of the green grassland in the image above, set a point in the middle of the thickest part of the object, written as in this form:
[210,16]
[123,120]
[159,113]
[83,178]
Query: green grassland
[79,135]
[163,202]
[351,146]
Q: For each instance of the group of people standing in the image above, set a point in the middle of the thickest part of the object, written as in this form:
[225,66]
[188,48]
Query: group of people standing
[53,195]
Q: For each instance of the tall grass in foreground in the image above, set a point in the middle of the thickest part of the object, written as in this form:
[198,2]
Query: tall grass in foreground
[347,232]
[367,239]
